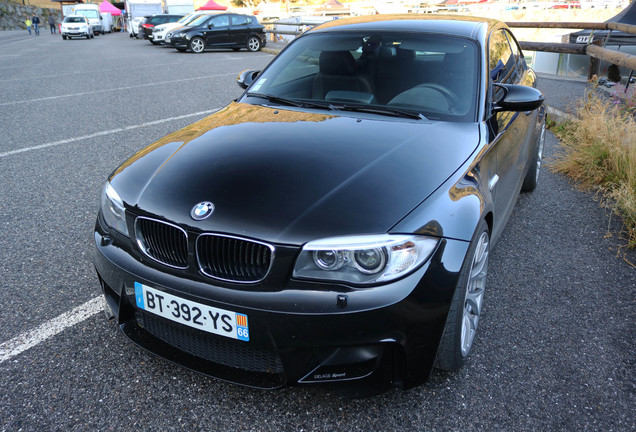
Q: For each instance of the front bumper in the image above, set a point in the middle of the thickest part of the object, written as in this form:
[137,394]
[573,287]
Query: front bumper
[75,34]
[299,332]
[178,42]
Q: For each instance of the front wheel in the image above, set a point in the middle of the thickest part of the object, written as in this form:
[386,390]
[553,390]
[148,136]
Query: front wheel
[197,45]
[253,44]
[532,177]
[466,307]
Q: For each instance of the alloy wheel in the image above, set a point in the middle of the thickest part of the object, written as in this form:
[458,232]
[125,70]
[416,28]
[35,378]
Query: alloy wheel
[475,293]
[540,150]
[253,44]
[197,45]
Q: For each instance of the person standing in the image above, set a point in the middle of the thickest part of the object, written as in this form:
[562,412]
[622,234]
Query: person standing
[28,23]
[52,23]
[36,24]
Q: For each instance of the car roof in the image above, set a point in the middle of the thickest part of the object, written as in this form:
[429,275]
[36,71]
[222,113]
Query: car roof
[458,25]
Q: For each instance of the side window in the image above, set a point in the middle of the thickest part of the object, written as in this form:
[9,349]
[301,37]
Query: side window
[220,21]
[501,62]
[519,59]
[239,20]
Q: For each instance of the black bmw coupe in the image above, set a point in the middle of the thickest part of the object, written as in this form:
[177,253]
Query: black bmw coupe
[335,222]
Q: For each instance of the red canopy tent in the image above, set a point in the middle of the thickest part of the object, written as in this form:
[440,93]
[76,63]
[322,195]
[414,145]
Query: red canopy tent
[212,5]
[105,6]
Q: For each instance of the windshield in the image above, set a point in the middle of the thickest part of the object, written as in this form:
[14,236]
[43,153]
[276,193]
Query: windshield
[200,20]
[189,18]
[433,75]
[88,13]
[74,20]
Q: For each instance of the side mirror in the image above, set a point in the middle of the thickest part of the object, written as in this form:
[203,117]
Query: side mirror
[210,25]
[246,78]
[517,97]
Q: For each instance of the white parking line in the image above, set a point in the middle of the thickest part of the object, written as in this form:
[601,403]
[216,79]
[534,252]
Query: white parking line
[87,72]
[103,133]
[107,90]
[36,336]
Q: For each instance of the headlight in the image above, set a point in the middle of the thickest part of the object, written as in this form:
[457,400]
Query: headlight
[113,209]
[363,259]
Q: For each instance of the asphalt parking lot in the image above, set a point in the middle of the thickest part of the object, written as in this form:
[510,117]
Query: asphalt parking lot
[556,344]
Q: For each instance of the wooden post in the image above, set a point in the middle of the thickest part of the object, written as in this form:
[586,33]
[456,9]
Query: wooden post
[595,63]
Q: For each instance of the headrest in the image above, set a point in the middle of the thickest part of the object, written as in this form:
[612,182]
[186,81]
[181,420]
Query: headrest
[337,63]
[387,52]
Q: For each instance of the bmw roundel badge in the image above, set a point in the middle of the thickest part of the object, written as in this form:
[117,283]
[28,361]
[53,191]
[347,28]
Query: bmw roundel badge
[202,210]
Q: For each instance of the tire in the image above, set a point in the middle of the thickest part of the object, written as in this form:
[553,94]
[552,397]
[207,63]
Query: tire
[532,177]
[197,45]
[63,37]
[463,317]
[253,44]
[88,36]
[93,35]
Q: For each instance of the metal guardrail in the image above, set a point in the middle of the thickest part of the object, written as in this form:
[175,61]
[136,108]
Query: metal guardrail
[594,50]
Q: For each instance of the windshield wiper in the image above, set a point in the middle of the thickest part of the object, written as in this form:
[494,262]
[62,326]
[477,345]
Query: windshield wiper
[293,102]
[277,99]
[383,110]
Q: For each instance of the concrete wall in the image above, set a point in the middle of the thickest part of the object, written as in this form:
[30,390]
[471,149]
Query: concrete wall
[12,16]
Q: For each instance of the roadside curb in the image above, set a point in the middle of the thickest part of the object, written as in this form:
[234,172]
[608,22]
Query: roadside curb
[274,51]
[559,115]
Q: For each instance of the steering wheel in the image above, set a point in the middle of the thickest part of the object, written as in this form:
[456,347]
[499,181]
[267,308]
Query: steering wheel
[450,96]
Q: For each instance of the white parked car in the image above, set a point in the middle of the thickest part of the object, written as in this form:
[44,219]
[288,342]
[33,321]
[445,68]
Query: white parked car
[159,31]
[77,26]
[133,26]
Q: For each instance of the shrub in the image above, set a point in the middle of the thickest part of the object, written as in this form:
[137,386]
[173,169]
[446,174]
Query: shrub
[598,151]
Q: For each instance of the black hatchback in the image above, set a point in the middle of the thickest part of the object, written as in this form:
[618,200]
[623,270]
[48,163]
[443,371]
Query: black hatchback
[146,26]
[219,31]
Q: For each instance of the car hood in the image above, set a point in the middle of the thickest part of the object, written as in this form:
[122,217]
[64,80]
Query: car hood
[288,177]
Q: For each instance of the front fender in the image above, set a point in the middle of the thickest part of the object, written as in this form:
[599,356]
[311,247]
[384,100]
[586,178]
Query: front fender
[454,209]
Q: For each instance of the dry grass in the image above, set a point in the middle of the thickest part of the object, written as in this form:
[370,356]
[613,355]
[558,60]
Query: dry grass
[598,151]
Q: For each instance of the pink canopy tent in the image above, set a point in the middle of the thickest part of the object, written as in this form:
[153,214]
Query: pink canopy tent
[212,5]
[105,6]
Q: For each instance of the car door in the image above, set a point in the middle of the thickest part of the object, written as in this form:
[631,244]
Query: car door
[508,129]
[217,31]
[239,29]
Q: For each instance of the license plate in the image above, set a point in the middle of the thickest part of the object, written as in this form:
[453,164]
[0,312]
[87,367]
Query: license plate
[197,315]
